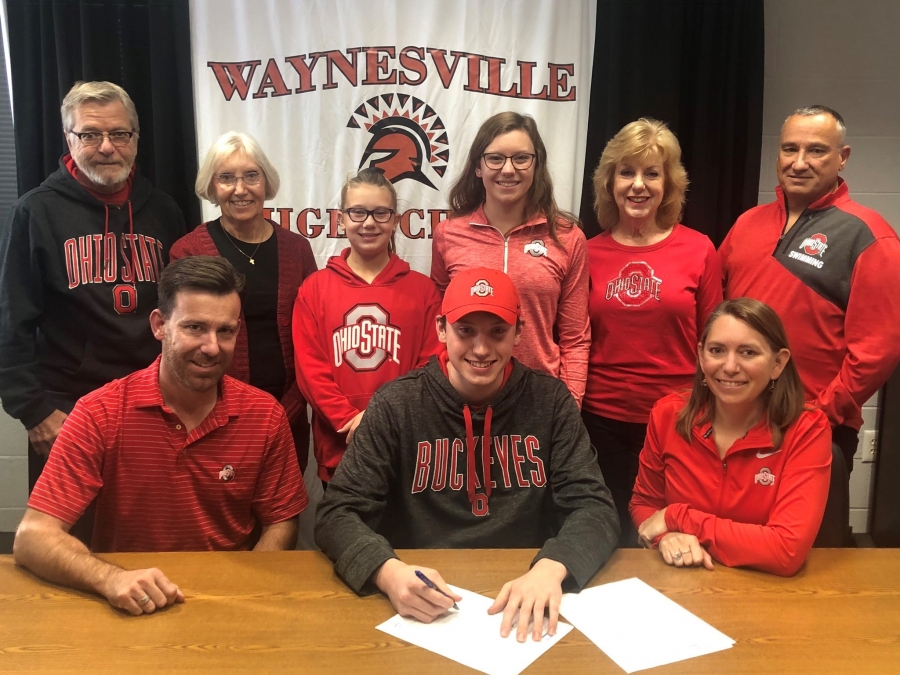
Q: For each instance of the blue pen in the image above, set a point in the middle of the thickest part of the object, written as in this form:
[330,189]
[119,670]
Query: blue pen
[428,582]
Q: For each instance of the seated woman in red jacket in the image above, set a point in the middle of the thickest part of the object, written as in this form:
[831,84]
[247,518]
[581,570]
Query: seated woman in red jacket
[737,471]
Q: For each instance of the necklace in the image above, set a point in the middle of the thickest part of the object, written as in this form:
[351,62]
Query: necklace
[240,250]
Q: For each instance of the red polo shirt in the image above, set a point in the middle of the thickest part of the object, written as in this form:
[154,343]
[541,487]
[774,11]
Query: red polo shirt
[159,488]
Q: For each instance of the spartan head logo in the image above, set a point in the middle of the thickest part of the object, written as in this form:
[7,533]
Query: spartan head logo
[409,139]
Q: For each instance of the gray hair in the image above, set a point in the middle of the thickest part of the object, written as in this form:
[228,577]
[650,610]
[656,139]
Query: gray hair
[226,145]
[813,110]
[101,92]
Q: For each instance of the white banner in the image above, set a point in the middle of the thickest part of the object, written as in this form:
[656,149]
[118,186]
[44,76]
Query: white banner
[330,86]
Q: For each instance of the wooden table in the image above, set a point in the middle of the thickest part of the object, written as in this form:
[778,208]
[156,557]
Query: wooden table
[288,613]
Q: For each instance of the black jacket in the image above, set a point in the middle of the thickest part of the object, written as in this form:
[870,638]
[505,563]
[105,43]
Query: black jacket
[403,482]
[77,284]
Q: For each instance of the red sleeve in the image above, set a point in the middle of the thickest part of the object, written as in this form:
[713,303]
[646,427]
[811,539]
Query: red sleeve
[180,249]
[649,495]
[871,331]
[438,269]
[280,492]
[573,320]
[74,472]
[709,290]
[313,365]
[781,545]
[430,343]
[723,253]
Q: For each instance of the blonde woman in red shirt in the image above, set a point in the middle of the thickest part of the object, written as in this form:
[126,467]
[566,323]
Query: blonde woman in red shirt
[653,283]
[503,216]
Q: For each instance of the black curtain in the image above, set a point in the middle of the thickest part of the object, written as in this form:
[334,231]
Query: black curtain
[141,45]
[885,514]
[697,65]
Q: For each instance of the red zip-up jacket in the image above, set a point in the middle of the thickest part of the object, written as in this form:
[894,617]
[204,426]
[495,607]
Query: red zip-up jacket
[833,279]
[756,507]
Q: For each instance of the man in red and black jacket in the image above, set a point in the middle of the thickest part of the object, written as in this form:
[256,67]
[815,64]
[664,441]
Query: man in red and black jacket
[828,266]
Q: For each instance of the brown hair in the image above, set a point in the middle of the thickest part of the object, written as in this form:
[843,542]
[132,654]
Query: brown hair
[784,403]
[467,193]
[637,140]
[208,274]
[375,178]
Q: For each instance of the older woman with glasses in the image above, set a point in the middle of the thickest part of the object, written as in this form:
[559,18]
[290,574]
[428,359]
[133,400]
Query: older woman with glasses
[503,215]
[653,283]
[238,177]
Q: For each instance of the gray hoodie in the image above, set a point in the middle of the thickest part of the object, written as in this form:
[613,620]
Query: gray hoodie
[414,478]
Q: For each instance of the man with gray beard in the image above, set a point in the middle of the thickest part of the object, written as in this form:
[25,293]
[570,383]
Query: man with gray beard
[80,257]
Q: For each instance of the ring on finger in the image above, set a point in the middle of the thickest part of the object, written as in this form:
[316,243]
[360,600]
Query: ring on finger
[681,553]
[143,601]
[676,556]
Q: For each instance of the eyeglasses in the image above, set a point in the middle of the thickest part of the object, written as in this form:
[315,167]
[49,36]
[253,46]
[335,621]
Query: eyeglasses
[520,160]
[359,215]
[230,179]
[94,138]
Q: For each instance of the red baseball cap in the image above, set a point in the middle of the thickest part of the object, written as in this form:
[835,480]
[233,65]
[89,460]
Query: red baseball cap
[481,290]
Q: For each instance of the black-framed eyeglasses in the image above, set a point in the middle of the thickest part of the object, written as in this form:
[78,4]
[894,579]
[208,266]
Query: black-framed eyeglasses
[94,138]
[230,179]
[379,215]
[520,160]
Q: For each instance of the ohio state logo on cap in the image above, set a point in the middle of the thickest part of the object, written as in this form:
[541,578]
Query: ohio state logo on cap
[482,289]
[815,245]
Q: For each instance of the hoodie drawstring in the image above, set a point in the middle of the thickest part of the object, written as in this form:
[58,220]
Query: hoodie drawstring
[106,227]
[485,458]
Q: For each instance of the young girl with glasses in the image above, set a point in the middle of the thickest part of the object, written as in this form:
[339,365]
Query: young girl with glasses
[364,320]
[503,216]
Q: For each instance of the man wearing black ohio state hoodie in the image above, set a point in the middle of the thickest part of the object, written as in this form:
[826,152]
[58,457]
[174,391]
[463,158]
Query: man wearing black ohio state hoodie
[472,451]
[80,257]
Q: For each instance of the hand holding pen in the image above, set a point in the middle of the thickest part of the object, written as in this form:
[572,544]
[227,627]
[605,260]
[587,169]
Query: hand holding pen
[428,582]
[415,592]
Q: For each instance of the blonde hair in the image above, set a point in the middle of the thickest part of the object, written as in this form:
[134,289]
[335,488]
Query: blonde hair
[638,140]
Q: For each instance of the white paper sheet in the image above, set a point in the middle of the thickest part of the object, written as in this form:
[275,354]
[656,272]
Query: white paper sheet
[638,627]
[472,637]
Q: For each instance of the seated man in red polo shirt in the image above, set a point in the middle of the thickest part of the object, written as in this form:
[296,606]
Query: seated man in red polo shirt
[178,456]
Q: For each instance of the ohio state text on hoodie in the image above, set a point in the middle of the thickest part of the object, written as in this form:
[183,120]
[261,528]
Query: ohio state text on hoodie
[350,337]
[78,280]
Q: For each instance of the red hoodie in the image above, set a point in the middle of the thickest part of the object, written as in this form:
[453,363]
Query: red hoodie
[350,337]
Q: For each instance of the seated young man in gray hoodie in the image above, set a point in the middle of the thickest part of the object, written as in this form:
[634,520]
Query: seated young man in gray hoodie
[421,472]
